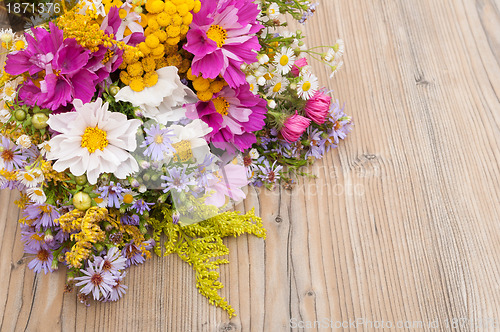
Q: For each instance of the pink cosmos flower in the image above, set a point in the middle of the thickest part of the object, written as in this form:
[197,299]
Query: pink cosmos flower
[294,127]
[228,184]
[63,62]
[299,63]
[317,108]
[234,115]
[222,37]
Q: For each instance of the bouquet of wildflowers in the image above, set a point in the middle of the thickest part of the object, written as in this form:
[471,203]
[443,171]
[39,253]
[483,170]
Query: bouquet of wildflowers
[130,127]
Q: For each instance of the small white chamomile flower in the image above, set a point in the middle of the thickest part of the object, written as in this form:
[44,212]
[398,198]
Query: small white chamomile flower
[5,115]
[273,11]
[44,148]
[30,178]
[24,141]
[284,60]
[254,154]
[263,59]
[9,91]
[277,86]
[36,195]
[307,86]
[335,68]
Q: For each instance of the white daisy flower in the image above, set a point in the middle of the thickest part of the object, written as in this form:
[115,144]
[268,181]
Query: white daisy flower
[307,86]
[101,202]
[284,60]
[273,11]
[277,86]
[263,59]
[44,148]
[19,43]
[9,91]
[339,45]
[6,36]
[5,115]
[93,140]
[189,141]
[335,68]
[31,178]
[252,82]
[24,141]
[164,101]
[254,154]
[129,197]
[36,195]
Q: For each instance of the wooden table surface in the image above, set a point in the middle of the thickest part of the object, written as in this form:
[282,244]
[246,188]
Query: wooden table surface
[402,224]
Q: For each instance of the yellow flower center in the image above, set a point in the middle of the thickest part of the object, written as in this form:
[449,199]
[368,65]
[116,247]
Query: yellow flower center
[45,209]
[159,139]
[221,105]
[277,87]
[284,60]
[9,91]
[183,151]
[94,139]
[19,45]
[128,199]
[217,34]
[38,192]
[28,177]
[306,86]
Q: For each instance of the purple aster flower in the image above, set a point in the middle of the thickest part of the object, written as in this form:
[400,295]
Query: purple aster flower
[222,37]
[140,206]
[177,179]
[134,254]
[42,260]
[112,193]
[316,143]
[58,64]
[126,219]
[11,155]
[204,172]
[42,215]
[340,124]
[118,289]
[270,173]
[96,281]
[32,239]
[235,115]
[112,262]
[157,142]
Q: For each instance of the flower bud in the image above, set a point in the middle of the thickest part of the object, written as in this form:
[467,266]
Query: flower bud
[82,201]
[39,120]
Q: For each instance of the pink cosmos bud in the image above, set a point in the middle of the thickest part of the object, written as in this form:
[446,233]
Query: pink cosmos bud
[317,108]
[294,127]
[299,63]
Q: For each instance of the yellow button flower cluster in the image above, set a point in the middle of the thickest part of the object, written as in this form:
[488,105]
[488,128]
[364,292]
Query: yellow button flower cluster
[85,29]
[166,23]
[206,88]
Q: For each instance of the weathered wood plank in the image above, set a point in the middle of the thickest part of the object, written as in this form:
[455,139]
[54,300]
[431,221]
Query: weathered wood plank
[400,225]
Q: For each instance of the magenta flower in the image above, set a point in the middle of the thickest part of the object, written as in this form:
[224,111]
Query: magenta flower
[299,63]
[294,127]
[234,115]
[57,67]
[318,107]
[222,37]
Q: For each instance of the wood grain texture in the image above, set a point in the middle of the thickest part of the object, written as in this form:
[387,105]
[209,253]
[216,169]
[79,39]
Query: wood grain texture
[402,223]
